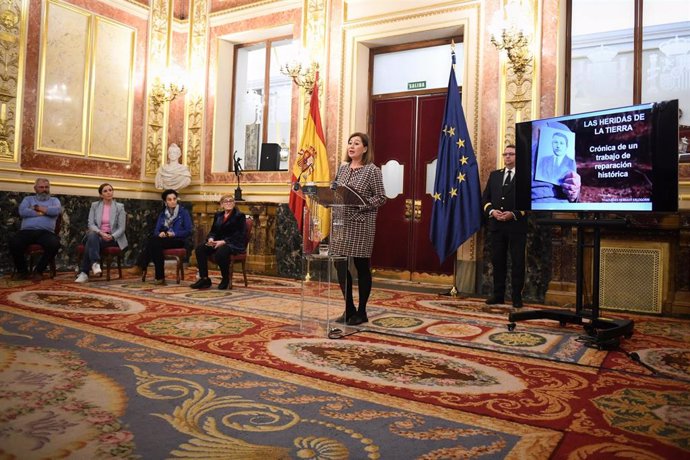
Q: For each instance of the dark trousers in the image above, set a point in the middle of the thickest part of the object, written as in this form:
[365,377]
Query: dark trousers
[502,244]
[93,245]
[221,257]
[153,251]
[23,238]
[362,264]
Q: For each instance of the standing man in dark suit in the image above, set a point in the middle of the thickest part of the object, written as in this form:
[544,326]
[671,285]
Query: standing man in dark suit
[507,230]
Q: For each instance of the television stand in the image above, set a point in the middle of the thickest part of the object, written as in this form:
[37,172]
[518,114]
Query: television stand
[604,332]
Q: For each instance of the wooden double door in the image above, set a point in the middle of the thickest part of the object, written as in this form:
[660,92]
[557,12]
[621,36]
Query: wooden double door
[405,135]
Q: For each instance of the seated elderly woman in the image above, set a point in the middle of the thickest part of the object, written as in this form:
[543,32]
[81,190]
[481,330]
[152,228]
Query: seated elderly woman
[227,237]
[173,228]
[106,227]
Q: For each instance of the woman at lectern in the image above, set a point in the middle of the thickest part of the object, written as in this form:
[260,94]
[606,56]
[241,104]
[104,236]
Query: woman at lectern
[354,226]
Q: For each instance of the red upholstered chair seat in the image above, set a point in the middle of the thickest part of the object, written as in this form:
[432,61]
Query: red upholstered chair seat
[35,251]
[108,254]
[176,254]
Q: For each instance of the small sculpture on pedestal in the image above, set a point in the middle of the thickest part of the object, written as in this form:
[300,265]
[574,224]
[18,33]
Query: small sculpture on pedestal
[238,172]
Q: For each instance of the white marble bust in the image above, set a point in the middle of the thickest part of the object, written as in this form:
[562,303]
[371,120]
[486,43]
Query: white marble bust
[173,175]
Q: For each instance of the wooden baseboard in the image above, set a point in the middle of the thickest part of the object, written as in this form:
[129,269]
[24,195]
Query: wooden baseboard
[561,293]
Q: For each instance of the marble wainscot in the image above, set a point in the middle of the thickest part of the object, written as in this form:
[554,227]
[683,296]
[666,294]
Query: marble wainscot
[537,262]
[141,217]
[272,244]
[288,244]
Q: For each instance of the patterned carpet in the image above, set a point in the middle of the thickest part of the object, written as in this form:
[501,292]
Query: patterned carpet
[130,370]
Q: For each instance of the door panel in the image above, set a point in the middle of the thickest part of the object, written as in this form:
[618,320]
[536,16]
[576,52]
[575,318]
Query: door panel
[430,117]
[407,130]
[393,139]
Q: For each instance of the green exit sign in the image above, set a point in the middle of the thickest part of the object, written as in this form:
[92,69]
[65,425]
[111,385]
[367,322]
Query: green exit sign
[416,85]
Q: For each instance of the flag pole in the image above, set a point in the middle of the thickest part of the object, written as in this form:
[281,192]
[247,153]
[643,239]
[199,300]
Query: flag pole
[453,291]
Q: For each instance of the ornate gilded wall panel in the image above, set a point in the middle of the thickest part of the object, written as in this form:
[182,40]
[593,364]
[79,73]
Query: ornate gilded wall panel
[13,23]
[519,95]
[112,92]
[518,101]
[315,27]
[197,63]
[63,82]
[86,87]
[160,36]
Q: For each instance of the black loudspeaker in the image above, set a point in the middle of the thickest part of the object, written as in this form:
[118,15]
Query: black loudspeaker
[270,157]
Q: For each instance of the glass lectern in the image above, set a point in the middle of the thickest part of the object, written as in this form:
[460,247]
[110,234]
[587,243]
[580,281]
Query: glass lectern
[322,227]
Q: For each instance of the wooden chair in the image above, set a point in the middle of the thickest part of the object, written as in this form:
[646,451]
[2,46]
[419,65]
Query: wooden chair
[35,251]
[108,254]
[178,255]
[240,258]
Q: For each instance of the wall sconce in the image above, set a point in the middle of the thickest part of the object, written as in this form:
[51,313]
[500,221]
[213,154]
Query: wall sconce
[302,75]
[167,88]
[510,32]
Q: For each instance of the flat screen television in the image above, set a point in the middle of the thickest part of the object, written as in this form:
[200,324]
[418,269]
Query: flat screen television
[625,159]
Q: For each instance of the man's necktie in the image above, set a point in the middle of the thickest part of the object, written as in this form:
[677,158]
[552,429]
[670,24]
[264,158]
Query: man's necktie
[508,178]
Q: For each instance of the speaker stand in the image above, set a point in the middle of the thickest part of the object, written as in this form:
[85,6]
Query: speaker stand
[604,333]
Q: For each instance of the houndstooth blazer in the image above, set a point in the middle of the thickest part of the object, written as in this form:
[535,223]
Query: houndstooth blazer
[356,239]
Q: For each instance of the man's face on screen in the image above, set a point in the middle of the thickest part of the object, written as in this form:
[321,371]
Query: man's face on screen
[559,144]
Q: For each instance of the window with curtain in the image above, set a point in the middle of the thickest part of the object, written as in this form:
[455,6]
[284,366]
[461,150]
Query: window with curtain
[604,53]
[262,101]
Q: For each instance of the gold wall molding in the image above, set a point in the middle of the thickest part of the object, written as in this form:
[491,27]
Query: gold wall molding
[197,62]
[13,29]
[516,99]
[111,104]
[194,134]
[160,41]
[63,89]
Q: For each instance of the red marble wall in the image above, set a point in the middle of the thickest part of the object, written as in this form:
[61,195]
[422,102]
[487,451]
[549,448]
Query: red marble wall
[332,73]
[549,60]
[490,110]
[37,161]
[224,5]
[178,59]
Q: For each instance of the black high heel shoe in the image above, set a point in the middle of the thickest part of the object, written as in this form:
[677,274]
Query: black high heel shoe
[357,319]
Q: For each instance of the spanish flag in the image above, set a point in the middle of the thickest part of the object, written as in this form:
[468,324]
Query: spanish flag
[311,165]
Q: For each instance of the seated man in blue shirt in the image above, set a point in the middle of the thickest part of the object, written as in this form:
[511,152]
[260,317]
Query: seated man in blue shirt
[39,214]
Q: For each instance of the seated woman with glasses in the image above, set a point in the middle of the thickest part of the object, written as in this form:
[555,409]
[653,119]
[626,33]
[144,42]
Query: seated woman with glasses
[227,237]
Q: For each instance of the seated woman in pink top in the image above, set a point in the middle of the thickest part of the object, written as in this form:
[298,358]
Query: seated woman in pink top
[106,227]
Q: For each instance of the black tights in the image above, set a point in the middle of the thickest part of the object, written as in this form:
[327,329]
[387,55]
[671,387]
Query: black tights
[363,284]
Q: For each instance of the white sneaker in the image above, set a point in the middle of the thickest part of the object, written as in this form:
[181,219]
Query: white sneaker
[82,278]
[96,268]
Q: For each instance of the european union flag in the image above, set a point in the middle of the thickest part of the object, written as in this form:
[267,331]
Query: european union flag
[457,211]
